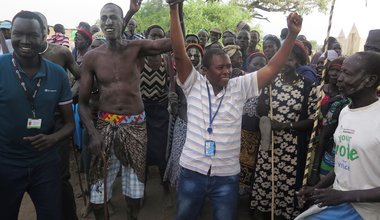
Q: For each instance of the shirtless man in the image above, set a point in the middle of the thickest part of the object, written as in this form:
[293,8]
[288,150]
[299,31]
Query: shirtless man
[121,118]
[62,56]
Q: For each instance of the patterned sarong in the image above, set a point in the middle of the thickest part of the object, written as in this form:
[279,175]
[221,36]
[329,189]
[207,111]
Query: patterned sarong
[122,119]
[250,141]
[128,137]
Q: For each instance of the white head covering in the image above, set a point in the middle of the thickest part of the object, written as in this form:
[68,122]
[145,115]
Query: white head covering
[331,55]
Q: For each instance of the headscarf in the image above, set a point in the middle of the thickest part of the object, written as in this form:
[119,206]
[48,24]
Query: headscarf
[337,63]
[99,37]
[300,52]
[86,33]
[231,49]
[197,46]
[331,55]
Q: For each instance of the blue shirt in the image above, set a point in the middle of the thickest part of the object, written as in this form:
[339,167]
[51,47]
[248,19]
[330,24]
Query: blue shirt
[15,109]
[309,73]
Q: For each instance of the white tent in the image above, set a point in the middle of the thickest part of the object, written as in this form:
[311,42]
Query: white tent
[342,40]
[353,42]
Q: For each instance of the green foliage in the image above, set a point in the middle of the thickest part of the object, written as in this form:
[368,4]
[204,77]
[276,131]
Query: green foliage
[301,6]
[152,12]
[197,14]
[315,45]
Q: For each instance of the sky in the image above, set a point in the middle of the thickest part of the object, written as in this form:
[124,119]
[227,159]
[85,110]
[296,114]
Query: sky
[346,13]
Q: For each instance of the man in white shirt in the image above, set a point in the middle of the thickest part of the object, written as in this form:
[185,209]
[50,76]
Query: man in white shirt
[355,194]
[210,157]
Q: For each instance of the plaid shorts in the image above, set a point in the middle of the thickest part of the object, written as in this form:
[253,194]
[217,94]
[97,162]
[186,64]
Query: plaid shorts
[131,186]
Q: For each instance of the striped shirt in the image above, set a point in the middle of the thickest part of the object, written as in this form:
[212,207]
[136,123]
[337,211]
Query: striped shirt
[60,39]
[226,125]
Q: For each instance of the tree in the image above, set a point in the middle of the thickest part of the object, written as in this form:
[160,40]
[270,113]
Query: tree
[197,14]
[210,15]
[301,6]
[152,12]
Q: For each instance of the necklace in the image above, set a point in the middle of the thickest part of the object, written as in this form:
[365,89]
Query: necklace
[293,82]
[47,46]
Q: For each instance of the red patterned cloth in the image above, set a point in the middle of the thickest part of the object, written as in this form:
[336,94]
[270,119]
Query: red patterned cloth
[59,38]
[122,119]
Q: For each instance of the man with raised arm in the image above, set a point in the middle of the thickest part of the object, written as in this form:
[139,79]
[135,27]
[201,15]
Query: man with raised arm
[210,157]
[120,133]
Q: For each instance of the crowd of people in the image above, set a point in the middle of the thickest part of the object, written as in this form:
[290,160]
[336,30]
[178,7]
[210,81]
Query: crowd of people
[222,114]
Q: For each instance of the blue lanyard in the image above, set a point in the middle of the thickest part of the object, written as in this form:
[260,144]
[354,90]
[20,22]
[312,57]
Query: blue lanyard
[209,129]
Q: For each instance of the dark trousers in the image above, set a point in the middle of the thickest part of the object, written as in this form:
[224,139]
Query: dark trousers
[42,183]
[157,122]
[68,200]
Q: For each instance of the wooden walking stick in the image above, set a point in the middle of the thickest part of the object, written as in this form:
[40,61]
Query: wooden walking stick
[319,94]
[273,206]
[79,175]
[105,173]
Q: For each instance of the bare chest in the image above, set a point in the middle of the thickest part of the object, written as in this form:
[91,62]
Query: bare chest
[117,69]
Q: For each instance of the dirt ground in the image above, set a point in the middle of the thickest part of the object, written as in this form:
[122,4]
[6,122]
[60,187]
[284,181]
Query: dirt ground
[156,205]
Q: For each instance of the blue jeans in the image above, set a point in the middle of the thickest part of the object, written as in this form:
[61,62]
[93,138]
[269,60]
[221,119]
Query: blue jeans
[43,184]
[193,188]
[342,211]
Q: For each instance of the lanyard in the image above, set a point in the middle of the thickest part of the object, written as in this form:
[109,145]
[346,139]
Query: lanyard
[31,98]
[212,117]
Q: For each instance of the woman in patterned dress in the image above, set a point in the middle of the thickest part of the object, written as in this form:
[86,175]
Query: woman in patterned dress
[250,133]
[294,102]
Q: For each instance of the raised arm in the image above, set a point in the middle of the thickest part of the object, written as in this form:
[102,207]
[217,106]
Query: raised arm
[153,47]
[274,66]
[183,63]
[134,6]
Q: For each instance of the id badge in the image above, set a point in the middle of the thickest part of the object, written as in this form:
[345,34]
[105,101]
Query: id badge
[34,123]
[209,148]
